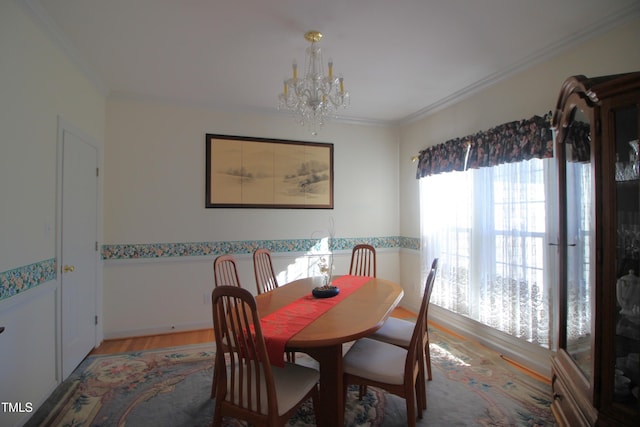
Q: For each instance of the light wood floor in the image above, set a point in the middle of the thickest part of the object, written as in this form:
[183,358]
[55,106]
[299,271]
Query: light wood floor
[179,338]
[206,335]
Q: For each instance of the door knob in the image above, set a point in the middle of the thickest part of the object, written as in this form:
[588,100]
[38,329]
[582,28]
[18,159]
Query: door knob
[68,268]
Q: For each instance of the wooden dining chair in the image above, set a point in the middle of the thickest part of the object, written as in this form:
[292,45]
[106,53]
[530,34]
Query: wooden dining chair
[225,271]
[399,331]
[263,269]
[363,261]
[248,387]
[390,367]
[266,280]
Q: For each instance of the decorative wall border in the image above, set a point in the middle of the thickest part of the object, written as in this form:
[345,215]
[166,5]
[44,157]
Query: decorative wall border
[171,250]
[412,243]
[13,282]
[17,280]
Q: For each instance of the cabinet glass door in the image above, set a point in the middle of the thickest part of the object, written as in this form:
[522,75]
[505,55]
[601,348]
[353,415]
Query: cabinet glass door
[580,238]
[627,339]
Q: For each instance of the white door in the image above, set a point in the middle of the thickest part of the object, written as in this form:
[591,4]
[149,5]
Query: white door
[79,251]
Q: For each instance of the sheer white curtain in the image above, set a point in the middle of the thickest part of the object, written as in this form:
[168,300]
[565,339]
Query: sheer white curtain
[490,229]
[445,221]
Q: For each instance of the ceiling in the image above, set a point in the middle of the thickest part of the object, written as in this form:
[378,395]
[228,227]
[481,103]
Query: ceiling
[401,59]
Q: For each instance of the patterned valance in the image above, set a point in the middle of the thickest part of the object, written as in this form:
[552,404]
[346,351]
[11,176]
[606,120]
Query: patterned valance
[511,142]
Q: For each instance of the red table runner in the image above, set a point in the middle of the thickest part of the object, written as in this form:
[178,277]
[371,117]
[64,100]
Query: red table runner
[279,326]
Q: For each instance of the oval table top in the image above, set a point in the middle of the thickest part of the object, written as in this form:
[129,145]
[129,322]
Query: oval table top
[358,315]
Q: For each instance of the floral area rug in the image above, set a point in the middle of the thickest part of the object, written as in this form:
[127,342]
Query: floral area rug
[474,386]
[471,386]
[166,387]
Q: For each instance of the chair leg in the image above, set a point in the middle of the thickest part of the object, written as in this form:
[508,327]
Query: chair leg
[217,416]
[411,407]
[214,382]
[345,386]
[420,398]
[422,401]
[315,399]
[427,356]
[422,395]
[216,375]
[363,391]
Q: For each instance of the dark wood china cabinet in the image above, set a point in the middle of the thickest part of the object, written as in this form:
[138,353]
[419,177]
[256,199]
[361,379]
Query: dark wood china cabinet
[596,369]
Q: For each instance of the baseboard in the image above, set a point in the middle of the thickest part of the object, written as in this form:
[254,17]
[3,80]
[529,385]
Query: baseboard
[187,327]
[530,356]
[143,332]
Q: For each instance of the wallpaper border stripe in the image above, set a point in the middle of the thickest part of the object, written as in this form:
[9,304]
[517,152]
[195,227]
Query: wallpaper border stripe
[18,280]
[164,250]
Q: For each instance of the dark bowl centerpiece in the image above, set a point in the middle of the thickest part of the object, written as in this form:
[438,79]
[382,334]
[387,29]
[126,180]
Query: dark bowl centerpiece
[326,291]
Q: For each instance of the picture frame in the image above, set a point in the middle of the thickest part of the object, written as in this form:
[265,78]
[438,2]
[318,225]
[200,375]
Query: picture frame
[246,172]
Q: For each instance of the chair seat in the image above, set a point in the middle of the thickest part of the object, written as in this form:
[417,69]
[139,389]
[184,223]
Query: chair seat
[292,382]
[376,360]
[395,331]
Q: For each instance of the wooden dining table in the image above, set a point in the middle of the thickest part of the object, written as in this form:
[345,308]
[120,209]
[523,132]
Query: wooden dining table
[358,315]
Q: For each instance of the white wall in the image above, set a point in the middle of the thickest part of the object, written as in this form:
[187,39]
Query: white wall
[155,177]
[38,85]
[155,189]
[144,297]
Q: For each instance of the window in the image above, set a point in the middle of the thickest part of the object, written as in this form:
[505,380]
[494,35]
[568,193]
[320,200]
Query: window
[492,228]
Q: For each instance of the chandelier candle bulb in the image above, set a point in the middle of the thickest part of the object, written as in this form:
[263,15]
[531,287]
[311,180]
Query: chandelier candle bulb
[330,68]
[295,69]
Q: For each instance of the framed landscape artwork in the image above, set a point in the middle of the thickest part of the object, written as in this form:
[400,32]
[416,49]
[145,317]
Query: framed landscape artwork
[243,172]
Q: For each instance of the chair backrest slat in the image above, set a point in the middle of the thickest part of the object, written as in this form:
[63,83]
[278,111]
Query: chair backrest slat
[225,271]
[363,261]
[263,269]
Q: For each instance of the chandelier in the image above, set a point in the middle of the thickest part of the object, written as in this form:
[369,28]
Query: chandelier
[315,97]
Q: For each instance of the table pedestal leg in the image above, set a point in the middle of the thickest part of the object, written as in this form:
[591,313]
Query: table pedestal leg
[331,410]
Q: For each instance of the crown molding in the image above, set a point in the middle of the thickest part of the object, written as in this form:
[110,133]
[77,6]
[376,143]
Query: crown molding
[605,24]
[273,112]
[41,17]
